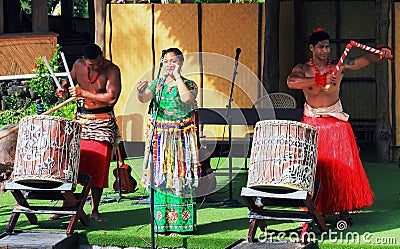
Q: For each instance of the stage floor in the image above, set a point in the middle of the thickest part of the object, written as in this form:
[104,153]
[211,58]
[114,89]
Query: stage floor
[38,240]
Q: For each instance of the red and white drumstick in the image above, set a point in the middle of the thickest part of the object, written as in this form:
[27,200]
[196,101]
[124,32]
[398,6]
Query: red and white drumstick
[370,49]
[337,67]
[342,58]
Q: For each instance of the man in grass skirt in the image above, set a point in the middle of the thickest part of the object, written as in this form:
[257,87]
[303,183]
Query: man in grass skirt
[343,185]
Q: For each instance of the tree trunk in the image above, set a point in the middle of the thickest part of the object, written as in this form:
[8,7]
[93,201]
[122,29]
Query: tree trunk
[271,47]
[12,16]
[40,19]
[383,128]
[299,44]
[100,23]
[1,17]
[67,13]
[92,18]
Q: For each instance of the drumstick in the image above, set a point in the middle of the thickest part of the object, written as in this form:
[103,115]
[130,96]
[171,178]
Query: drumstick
[67,69]
[51,72]
[339,64]
[342,58]
[9,132]
[370,49]
[55,108]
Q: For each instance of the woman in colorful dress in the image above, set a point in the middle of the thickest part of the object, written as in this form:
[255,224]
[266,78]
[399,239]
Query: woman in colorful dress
[173,152]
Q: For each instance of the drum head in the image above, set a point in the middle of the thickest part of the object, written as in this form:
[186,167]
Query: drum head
[39,183]
[276,188]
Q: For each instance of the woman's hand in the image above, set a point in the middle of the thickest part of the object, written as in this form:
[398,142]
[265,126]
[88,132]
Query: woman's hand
[177,71]
[143,94]
[141,86]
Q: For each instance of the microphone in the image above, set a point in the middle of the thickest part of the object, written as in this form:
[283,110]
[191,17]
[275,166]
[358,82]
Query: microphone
[238,50]
[163,79]
[160,88]
[161,58]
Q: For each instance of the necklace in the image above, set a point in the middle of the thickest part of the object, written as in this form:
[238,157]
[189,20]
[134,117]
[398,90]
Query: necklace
[320,79]
[97,74]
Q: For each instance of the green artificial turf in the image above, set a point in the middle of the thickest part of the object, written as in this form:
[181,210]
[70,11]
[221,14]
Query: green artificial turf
[219,226]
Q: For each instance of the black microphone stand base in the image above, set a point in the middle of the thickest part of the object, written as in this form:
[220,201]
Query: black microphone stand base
[232,203]
[109,199]
[142,201]
[229,203]
[119,198]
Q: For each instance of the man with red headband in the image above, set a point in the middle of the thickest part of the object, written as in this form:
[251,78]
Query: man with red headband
[343,185]
[97,84]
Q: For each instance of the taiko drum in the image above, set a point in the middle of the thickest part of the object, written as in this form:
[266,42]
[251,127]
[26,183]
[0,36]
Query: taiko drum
[283,156]
[47,152]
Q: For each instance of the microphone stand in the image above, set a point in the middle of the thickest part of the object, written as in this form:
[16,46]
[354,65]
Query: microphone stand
[150,157]
[158,76]
[231,202]
[118,175]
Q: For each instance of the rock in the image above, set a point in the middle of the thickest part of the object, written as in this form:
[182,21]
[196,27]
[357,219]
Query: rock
[7,152]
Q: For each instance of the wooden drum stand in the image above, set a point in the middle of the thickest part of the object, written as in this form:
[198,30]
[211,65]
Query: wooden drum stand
[75,202]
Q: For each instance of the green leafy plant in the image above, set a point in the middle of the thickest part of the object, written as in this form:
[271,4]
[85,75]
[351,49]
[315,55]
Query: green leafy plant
[80,7]
[43,85]
[13,101]
[9,117]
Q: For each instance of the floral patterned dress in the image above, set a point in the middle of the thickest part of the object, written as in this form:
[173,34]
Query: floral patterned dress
[174,161]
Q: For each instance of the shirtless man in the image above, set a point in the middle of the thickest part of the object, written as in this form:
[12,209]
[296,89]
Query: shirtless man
[97,84]
[343,186]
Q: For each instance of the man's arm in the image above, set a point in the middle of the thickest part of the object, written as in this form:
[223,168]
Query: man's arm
[113,88]
[366,59]
[298,80]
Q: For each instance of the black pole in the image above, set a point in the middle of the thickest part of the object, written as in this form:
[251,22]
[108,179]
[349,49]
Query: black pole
[151,191]
[150,158]
[118,175]
[158,76]
[231,201]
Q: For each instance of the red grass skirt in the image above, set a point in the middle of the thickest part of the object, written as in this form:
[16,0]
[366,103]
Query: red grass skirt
[343,183]
[95,161]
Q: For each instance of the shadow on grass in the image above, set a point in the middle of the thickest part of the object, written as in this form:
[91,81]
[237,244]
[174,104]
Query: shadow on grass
[225,225]
[116,221]
[6,210]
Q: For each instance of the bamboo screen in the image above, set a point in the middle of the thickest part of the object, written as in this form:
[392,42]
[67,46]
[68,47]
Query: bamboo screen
[18,51]
[141,31]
